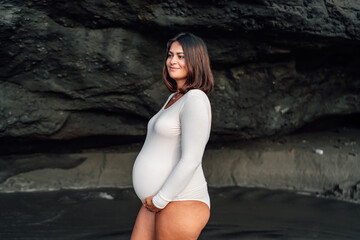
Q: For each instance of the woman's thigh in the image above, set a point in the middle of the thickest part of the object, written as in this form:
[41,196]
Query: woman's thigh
[181,220]
[144,228]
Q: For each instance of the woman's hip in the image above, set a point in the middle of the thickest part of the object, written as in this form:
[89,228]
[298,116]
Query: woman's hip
[184,219]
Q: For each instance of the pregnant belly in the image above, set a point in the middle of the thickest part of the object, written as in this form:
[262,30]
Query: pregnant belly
[149,175]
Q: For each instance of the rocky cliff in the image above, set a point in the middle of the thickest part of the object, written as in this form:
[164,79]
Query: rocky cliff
[77,74]
[85,68]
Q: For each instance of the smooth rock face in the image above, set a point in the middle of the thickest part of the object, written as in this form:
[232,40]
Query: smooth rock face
[266,169]
[95,170]
[74,69]
[327,164]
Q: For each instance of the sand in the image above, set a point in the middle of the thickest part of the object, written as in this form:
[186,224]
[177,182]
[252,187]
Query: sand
[237,213]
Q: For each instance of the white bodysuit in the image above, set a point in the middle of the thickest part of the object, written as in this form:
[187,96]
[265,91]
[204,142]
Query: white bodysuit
[169,163]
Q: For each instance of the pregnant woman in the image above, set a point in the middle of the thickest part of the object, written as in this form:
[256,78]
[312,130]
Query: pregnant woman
[167,174]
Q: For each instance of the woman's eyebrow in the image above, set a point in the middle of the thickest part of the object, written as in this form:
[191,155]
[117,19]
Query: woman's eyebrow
[177,52]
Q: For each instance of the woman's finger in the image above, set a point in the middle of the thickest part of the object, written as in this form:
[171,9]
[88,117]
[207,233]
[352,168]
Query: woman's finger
[149,205]
[147,201]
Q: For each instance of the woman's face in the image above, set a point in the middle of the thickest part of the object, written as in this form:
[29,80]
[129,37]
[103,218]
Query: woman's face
[175,64]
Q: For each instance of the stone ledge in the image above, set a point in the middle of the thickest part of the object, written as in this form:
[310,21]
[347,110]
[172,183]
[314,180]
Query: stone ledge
[299,170]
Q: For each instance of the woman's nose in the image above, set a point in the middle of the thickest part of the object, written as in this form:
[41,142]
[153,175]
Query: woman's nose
[173,60]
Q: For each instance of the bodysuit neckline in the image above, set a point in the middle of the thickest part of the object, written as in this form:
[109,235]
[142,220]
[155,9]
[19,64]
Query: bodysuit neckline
[167,102]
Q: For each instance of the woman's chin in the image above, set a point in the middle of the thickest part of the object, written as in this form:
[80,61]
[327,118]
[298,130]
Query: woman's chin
[177,78]
[174,76]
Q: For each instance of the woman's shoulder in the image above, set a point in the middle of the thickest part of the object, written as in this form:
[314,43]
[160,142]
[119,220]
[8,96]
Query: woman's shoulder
[196,92]
[198,96]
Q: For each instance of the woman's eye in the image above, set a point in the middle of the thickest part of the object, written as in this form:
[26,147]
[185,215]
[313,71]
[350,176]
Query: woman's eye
[181,57]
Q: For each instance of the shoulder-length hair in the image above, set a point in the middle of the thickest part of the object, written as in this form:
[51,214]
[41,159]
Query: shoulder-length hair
[197,63]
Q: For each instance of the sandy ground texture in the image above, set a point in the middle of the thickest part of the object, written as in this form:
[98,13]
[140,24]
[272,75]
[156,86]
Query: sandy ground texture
[237,213]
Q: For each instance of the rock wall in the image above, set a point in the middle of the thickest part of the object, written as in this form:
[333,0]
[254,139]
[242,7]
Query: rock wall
[290,164]
[79,74]
[74,69]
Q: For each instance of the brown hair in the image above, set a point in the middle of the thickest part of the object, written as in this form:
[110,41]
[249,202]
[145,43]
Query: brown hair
[197,63]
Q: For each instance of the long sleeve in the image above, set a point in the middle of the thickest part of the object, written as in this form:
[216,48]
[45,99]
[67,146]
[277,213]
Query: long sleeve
[195,120]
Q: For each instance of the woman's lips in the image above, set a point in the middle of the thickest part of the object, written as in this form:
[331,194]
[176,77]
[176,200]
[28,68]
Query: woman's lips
[173,69]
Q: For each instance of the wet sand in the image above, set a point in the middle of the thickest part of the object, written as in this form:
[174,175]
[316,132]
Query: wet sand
[237,213]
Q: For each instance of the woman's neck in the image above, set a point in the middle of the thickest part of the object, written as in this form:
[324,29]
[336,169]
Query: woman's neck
[180,84]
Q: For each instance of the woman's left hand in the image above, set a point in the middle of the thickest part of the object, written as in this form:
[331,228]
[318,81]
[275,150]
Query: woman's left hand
[149,205]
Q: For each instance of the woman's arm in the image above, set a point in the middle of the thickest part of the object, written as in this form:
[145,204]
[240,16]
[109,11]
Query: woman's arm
[195,119]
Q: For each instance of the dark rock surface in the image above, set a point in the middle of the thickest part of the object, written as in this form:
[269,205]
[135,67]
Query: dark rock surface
[89,68]
[80,75]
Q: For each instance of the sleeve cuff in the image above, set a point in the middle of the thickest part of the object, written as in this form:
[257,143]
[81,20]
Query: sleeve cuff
[159,201]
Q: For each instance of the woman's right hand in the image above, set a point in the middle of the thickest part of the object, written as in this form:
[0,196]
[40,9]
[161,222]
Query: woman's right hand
[148,204]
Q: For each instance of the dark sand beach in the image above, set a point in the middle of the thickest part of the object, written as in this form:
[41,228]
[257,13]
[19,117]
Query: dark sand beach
[237,213]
